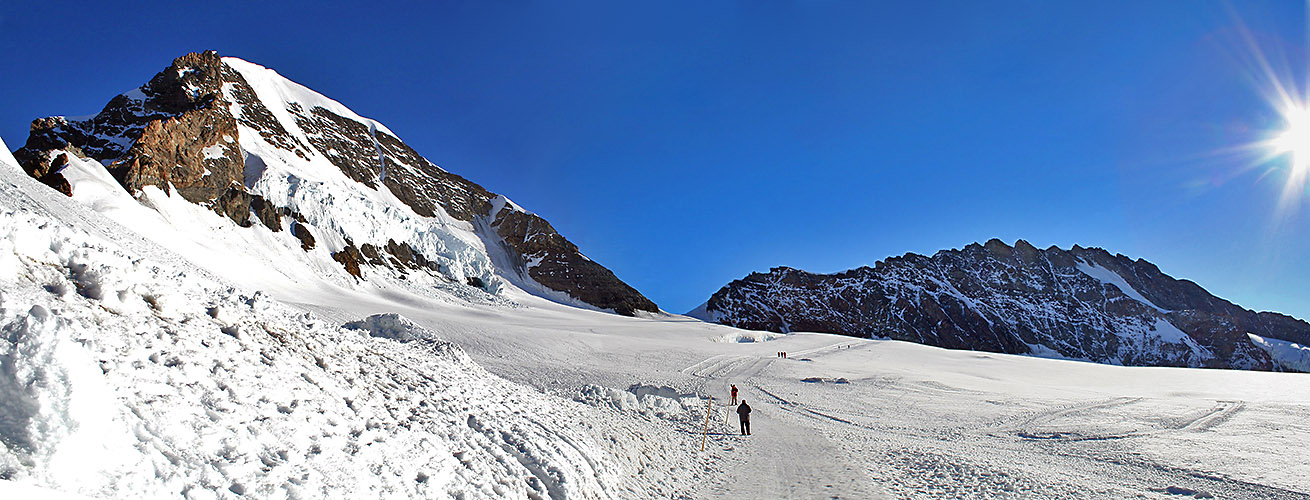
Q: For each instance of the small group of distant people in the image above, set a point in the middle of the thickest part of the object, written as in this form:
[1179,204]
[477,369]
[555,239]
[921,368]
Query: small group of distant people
[782,354]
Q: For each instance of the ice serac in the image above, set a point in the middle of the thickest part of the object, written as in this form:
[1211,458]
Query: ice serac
[1080,303]
[255,147]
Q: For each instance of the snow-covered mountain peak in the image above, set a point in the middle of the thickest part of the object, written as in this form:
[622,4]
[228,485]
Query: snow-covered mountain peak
[342,195]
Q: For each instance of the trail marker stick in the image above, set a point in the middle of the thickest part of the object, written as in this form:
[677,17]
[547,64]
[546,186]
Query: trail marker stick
[709,408]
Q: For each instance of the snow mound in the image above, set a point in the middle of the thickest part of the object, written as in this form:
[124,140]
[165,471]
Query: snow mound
[659,402]
[748,336]
[1289,355]
[391,326]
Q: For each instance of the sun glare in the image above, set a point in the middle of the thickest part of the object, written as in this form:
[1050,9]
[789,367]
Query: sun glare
[1294,140]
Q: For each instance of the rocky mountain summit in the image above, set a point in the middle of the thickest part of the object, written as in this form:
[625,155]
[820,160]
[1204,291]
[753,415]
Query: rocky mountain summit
[257,148]
[1081,303]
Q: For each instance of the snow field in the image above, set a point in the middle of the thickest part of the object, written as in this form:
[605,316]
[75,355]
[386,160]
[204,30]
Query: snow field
[134,370]
[934,423]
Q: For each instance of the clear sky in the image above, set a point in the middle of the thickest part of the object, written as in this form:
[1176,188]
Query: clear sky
[687,144]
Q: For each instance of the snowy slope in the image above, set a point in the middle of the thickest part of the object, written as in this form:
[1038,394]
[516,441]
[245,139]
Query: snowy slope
[333,203]
[126,371]
[1292,355]
[856,418]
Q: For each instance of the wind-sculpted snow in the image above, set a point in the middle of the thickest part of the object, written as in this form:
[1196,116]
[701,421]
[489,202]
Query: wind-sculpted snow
[124,372]
[1080,304]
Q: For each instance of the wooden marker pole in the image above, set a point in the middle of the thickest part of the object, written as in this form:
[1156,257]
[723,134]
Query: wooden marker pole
[709,408]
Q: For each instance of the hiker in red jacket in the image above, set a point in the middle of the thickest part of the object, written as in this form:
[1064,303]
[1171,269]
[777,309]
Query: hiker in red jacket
[734,393]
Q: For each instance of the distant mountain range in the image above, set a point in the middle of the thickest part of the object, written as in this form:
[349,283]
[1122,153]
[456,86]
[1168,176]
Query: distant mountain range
[273,155]
[1081,303]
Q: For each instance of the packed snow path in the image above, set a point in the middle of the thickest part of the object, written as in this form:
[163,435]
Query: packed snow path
[776,460]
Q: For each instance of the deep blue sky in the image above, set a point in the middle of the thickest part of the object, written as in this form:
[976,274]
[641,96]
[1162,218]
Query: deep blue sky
[686,144]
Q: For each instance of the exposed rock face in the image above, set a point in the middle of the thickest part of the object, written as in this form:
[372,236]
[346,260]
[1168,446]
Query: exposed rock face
[1082,303]
[270,214]
[175,131]
[302,233]
[553,261]
[49,173]
[350,258]
[181,131]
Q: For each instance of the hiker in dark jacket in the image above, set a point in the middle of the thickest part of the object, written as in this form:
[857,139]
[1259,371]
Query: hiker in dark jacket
[744,413]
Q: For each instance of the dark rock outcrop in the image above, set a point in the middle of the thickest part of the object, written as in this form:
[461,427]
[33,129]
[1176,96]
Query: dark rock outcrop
[302,233]
[350,258]
[268,213]
[173,132]
[555,262]
[1082,303]
[54,177]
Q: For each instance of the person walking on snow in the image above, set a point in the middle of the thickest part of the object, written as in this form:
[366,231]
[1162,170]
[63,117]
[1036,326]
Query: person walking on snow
[734,393]
[744,413]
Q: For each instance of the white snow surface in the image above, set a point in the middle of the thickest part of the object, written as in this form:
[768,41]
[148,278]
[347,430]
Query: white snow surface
[213,152]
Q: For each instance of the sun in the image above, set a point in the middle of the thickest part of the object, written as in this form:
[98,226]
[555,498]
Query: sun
[1293,142]
[1294,139]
